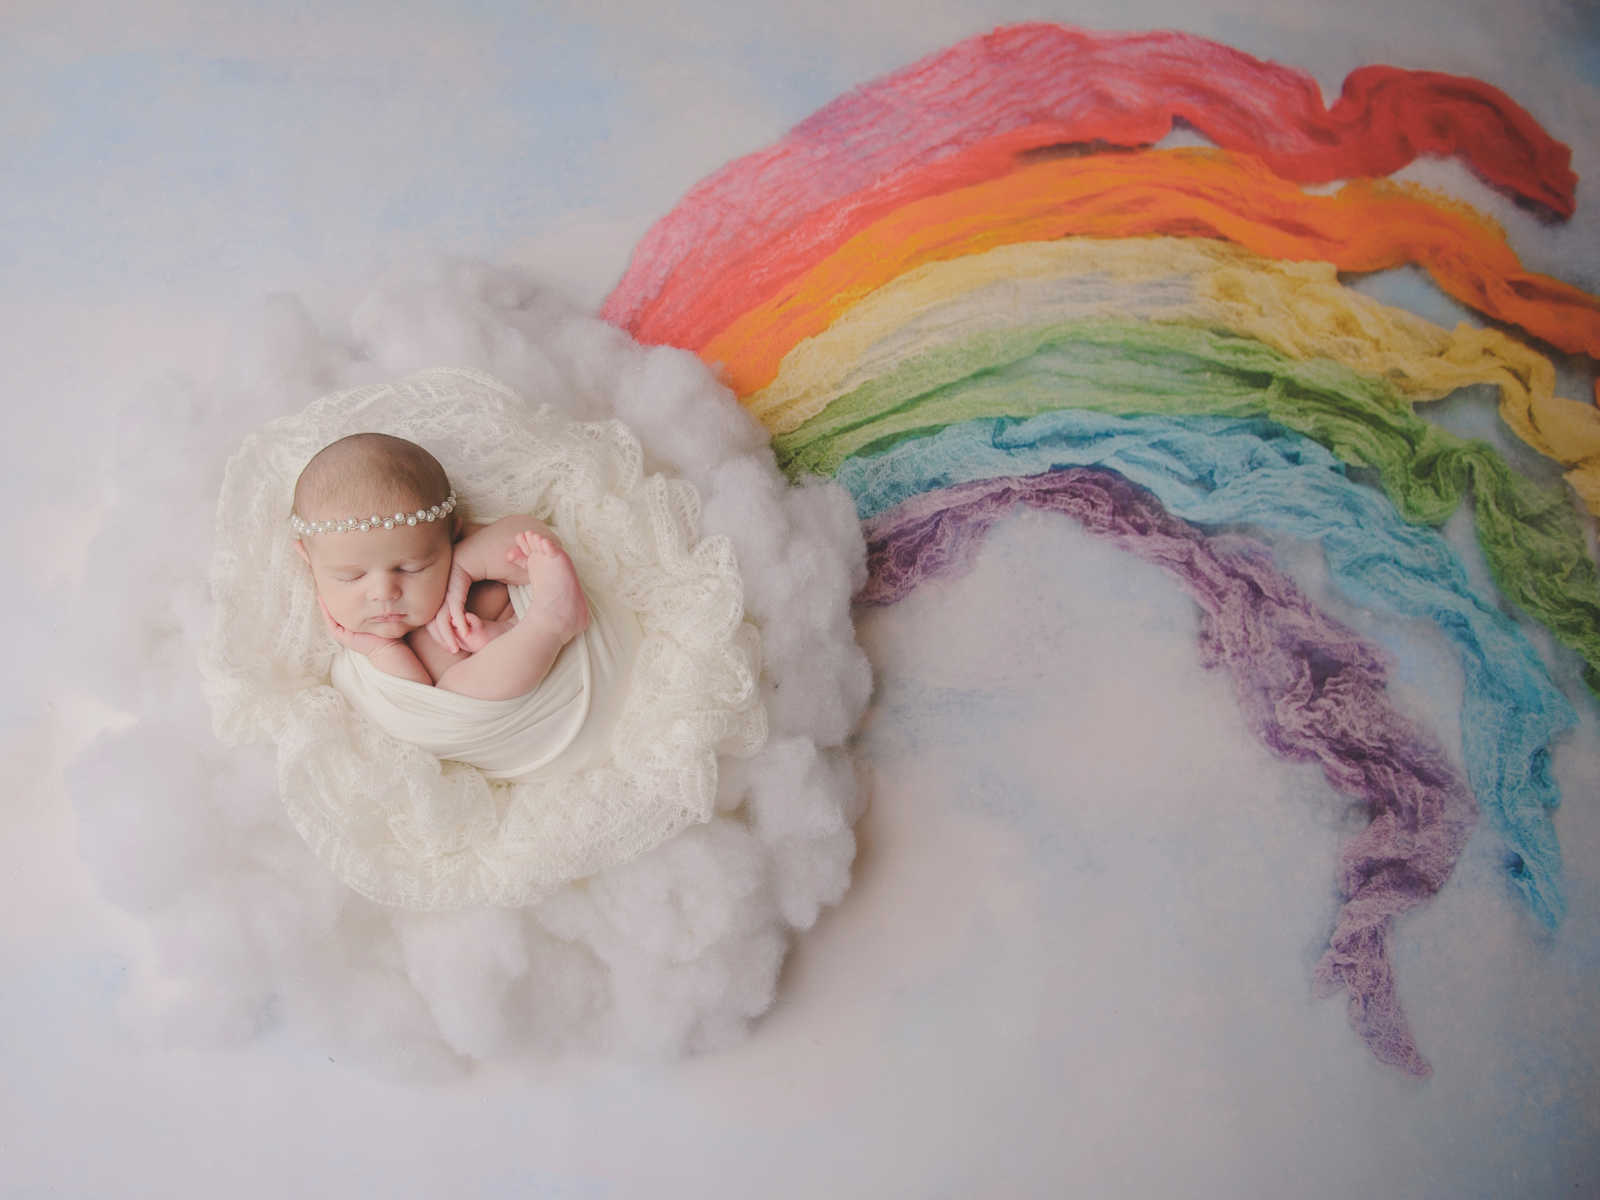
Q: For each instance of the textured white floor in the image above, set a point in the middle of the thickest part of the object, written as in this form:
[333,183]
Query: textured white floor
[1076,957]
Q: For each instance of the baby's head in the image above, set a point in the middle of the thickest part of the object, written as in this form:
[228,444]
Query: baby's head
[376,524]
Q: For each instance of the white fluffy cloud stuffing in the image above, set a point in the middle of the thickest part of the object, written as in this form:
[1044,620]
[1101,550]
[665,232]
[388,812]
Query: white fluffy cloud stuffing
[675,951]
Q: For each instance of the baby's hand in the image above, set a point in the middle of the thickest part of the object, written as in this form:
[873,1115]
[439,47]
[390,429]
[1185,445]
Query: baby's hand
[476,633]
[361,643]
[449,625]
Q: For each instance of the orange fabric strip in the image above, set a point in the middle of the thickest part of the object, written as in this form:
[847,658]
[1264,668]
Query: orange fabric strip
[1368,225]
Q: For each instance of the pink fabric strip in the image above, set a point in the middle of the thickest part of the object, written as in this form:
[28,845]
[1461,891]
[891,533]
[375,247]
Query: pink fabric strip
[1027,87]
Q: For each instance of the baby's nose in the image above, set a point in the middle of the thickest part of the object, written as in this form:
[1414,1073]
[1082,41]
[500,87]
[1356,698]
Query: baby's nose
[388,587]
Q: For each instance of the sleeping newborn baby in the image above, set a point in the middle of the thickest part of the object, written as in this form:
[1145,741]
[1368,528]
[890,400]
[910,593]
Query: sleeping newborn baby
[472,641]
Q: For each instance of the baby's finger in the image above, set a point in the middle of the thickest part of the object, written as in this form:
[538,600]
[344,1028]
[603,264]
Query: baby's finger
[439,630]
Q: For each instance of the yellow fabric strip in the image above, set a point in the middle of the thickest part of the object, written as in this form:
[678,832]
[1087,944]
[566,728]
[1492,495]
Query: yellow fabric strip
[1298,308]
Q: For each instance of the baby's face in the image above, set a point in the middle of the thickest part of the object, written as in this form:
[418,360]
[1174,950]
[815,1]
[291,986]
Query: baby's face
[385,581]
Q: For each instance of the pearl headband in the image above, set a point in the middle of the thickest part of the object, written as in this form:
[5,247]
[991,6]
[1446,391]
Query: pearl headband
[304,528]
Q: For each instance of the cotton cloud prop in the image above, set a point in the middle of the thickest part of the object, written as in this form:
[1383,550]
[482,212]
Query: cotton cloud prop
[673,950]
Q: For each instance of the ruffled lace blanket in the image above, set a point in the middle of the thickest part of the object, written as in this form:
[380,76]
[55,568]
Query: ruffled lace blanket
[390,819]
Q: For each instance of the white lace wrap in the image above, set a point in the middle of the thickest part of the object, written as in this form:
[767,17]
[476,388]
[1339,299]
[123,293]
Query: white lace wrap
[558,728]
[390,819]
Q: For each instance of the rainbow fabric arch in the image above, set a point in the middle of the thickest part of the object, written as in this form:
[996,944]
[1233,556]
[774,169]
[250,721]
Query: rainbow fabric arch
[976,285]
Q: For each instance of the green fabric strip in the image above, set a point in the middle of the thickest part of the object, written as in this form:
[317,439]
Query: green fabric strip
[1532,538]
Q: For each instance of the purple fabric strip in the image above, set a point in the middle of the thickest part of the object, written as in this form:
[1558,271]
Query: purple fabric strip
[1309,687]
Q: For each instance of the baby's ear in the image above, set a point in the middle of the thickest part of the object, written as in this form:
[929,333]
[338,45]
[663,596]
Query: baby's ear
[300,549]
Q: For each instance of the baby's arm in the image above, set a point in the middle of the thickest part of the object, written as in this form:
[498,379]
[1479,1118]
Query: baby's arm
[487,552]
[517,661]
[494,551]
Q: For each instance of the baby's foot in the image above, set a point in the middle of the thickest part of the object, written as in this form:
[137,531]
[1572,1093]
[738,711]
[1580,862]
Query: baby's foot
[556,597]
